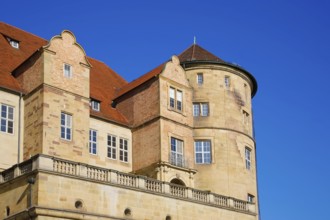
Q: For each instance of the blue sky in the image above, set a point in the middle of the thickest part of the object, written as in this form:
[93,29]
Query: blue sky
[284,44]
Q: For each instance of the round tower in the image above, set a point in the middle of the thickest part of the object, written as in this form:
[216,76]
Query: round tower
[223,124]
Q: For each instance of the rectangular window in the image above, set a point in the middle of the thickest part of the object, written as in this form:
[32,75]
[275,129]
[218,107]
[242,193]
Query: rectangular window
[200,109]
[200,78]
[203,152]
[177,152]
[112,146]
[95,105]
[7,119]
[175,99]
[67,70]
[66,126]
[196,109]
[92,141]
[123,150]
[247,158]
[250,198]
[227,81]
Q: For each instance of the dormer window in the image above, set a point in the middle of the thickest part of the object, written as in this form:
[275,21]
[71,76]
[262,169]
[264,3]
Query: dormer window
[95,105]
[67,69]
[13,43]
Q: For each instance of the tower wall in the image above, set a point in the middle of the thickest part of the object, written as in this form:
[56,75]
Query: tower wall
[228,127]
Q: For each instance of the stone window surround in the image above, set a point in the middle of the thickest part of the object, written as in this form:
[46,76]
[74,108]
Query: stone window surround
[93,141]
[7,119]
[175,100]
[123,153]
[112,148]
[200,78]
[67,126]
[67,72]
[201,109]
[202,151]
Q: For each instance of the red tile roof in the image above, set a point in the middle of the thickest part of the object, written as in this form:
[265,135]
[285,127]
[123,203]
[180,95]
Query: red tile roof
[11,57]
[103,85]
[139,81]
[197,53]
[103,80]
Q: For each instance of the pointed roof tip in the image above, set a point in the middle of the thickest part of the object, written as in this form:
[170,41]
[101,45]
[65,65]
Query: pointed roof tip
[197,53]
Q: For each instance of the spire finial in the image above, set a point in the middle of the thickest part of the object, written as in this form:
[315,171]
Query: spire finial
[194,39]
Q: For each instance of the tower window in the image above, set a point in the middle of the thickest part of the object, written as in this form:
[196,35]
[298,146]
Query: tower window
[67,70]
[66,126]
[201,109]
[175,99]
[246,118]
[227,81]
[7,119]
[203,152]
[247,158]
[200,78]
[250,198]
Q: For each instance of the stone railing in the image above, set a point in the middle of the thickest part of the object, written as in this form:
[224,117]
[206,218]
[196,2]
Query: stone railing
[120,179]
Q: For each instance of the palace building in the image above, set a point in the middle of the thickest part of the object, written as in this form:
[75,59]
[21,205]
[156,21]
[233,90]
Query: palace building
[80,142]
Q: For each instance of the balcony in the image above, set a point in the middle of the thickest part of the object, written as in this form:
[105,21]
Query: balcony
[43,163]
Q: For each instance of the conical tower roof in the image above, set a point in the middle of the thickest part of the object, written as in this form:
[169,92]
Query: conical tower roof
[197,53]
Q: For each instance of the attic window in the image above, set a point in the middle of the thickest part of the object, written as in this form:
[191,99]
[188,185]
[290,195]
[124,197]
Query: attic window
[95,105]
[13,43]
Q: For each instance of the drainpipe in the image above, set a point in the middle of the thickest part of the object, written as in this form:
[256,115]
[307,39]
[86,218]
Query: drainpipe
[19,128]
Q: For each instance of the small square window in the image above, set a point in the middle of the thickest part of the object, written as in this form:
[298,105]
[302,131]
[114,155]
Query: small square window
[14,44]
[95,105]
[200,78]
[250,198]
[67,70]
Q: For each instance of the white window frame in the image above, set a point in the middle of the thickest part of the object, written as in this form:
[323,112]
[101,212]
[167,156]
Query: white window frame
[200,78]
[92,141]
[67,72]
[7,119]
[177,148]
[250,198]
[14,43]
[112,146]
[176,99]
[201,109]
[248,158]
[95,105]
[205,151]
[66,126]
[123,150]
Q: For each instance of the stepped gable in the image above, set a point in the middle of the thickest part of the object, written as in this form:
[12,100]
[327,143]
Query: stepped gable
[103,85]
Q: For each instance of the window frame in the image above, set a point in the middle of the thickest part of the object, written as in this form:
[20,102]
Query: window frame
[250,198]
[175,99]
[96,105]
[8,119]
[112,148]
[177,157]
[200,109]
[123,153]
[203,151]
[200,78]
[67,126]
[70,71]
[14,43]
[248,152]
[92,143]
